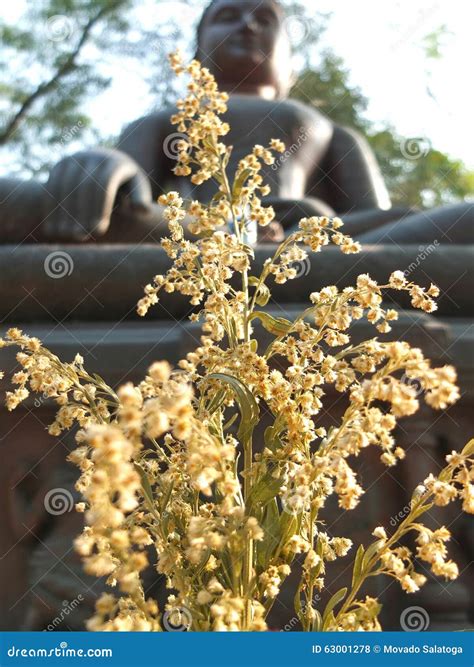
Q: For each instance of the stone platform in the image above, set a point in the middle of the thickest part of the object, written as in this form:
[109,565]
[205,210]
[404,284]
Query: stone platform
[91,310]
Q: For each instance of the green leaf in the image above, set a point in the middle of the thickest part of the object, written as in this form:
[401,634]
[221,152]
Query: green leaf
[239,183]
[216,401]
[146,487]
[290,525]
[271,527]
[358,564]
[278,326]
[421,510]
[233,331]
[319,548]
[263,293]
[271,437]
[469,448]
[318,622]
[266,488]
[218,196]
[229,422]
[370,553]
[335,600]
[246,401]
[297,605]
[167,497]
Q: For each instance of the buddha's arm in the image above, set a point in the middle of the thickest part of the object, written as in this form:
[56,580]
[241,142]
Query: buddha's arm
[22,207]
[350,181]
[148,140]
[351,176]
[106,195]
[151,142]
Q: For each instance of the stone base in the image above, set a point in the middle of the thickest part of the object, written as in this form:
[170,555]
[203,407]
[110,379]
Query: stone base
[91,311]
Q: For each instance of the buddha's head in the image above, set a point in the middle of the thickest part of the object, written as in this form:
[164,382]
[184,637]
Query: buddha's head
[245,45]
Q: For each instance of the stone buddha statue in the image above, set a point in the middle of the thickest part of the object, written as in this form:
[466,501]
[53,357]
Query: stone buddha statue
[108,195]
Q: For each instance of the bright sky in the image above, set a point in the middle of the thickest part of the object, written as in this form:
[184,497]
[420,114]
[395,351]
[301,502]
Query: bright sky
[381,45]
[380,42]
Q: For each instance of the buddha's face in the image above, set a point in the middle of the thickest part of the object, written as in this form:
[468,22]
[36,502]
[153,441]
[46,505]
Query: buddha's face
[244,42]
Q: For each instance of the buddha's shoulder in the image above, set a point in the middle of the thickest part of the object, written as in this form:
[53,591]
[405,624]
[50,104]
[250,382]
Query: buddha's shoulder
[284,108]
[155,122]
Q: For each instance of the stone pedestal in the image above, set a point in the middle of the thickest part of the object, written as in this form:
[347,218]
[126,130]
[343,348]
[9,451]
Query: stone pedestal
[91,310]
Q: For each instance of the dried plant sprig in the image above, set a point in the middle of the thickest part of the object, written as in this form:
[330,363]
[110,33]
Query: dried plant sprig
[159,460]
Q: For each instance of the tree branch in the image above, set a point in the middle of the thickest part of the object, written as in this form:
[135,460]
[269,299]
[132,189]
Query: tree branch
[66,68]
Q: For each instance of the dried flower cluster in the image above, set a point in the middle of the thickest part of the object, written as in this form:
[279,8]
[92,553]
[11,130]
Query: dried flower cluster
[160,463]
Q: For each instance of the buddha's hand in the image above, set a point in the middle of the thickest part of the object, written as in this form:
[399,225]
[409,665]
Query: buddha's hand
[85,188]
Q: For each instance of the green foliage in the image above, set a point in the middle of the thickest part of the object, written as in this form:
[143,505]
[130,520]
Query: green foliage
[52,64]
[328,89]
[418,175]
[49,70]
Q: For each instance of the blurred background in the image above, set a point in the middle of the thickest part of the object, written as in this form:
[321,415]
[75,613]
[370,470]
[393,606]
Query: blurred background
[76,71]
[73,74]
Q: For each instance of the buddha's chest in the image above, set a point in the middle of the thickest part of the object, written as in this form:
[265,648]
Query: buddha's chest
[252,122]
[306,135]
